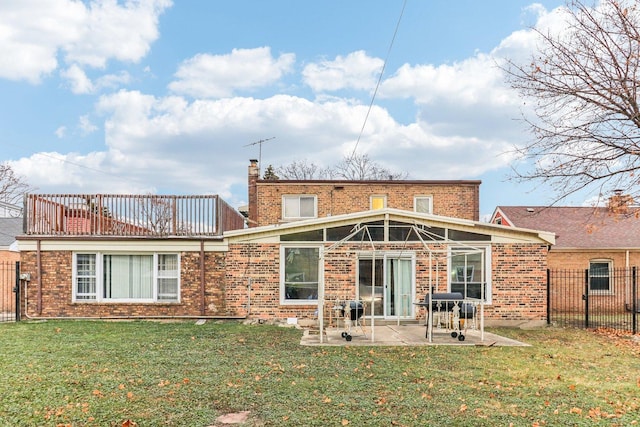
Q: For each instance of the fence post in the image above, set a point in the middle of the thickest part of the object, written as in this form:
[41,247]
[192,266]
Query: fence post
[585,297]
[634,300]
[548,296]
[16,289]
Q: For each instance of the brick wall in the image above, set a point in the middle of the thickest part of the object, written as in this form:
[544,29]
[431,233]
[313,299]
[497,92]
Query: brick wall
[519,283]
[569,284]
[56,285]
[518,279]
[454,199]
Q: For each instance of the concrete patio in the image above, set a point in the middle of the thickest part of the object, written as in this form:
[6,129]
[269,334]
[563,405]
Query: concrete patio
[403,335]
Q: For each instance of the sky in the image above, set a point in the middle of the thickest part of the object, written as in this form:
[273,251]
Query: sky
[172,97]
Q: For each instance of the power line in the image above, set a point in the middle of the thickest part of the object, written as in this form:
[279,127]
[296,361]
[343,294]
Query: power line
[375,92]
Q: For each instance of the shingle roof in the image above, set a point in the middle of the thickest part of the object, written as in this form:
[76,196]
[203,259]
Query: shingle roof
[579,227]
[9,229]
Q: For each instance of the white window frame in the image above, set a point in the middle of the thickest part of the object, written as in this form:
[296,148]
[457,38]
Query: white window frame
[99,279]
[299,197]
[461,249]
[415,203]
[378,196]
[283,299]
[609,263]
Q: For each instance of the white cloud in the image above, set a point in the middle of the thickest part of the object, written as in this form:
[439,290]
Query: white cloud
[116,31]
[356,71]
[85,125]
[201,146]
[78,80]
[218,76]
[61,131]
[33,33]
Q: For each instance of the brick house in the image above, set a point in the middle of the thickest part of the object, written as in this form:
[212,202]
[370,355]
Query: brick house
[9,255]
[603,242]
[387,240]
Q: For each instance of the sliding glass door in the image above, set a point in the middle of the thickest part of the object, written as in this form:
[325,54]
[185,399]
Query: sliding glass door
[388,281]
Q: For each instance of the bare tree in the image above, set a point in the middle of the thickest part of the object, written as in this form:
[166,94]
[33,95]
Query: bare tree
[353,168]
[156,213]
[584,83]
[301,170]
[361,167]
[12,189]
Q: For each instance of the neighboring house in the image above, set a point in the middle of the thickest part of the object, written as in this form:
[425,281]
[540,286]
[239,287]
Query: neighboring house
[599,241]
[9,229]
[9,255]
[116,256]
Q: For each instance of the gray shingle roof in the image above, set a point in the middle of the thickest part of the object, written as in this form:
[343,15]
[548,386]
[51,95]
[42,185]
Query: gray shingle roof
[9,229]
[579,227]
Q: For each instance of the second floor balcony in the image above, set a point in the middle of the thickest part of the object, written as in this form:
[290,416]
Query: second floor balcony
[119,215]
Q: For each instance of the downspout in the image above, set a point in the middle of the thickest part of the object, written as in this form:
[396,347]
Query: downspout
[39,272]
[202,280]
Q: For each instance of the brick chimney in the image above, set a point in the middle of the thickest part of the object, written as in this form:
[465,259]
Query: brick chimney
[619,203]
[254,175]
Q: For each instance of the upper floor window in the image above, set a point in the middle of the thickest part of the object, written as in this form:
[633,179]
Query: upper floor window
[300,206]
[600,276]
[423,204]
[378,202]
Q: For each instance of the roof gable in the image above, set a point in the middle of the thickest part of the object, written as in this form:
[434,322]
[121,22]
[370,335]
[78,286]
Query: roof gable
[579,227]
[9,229]
[389,214]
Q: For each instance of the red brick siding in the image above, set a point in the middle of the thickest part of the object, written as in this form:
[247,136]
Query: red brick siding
[519,282]
[56,286]
[454,200]
[568,289]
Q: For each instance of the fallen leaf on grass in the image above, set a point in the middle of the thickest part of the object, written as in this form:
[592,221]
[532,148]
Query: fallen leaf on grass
[344,422]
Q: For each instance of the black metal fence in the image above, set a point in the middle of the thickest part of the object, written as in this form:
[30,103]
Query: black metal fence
[9,291]
[593,299]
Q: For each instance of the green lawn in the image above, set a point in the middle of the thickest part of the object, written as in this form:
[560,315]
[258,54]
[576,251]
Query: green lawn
[181,374]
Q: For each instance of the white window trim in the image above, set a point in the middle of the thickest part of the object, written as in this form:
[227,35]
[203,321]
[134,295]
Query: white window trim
[283,300]
[378,196]
[298,196]
[487,269]
[100,278]
[610,291]
[415,203]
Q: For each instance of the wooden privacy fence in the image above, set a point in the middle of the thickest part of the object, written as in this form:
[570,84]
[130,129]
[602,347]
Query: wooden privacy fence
[608,299]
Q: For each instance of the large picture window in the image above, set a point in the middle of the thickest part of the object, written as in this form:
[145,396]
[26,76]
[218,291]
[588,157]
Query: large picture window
[126,277]
[300,274]
[468,272]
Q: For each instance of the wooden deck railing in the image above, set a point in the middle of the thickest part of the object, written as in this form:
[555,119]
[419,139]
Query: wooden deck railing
[128,215]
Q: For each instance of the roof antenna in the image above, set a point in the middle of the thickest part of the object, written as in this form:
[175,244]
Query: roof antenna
[259,143]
